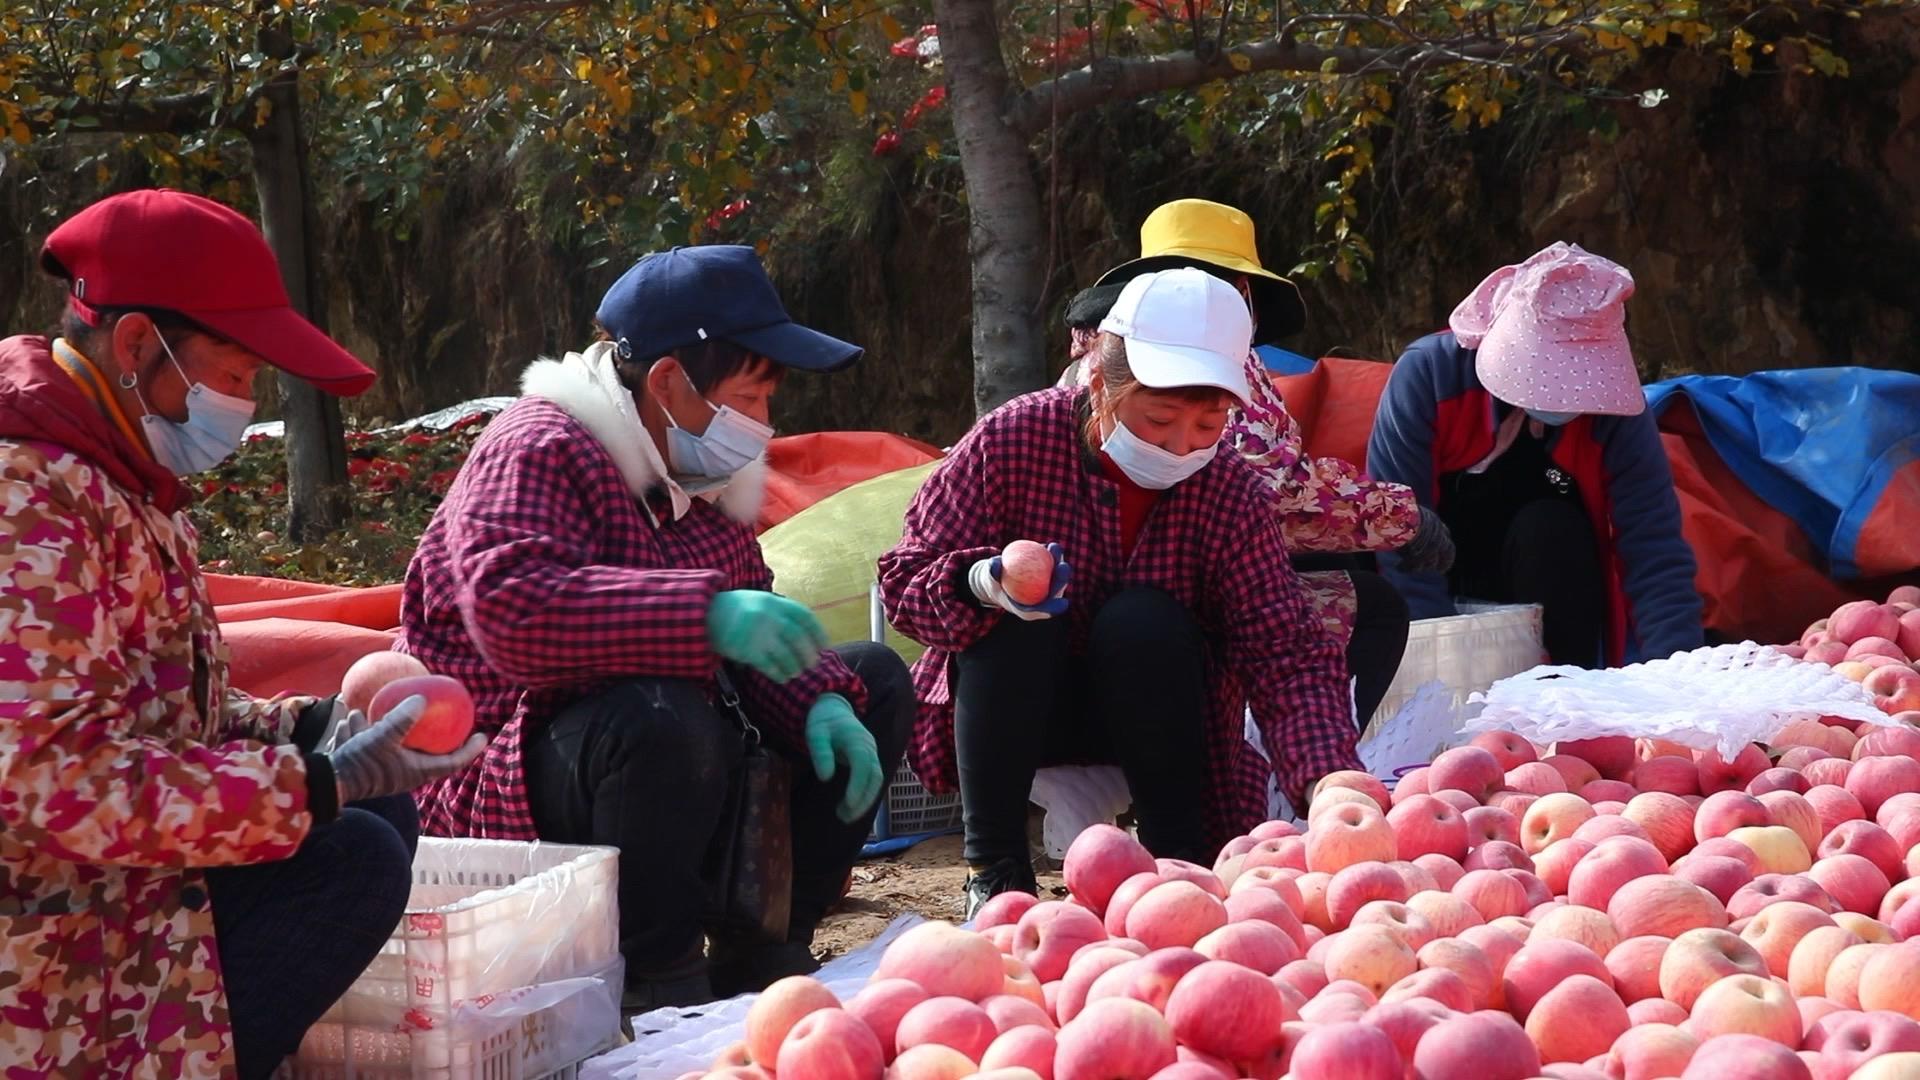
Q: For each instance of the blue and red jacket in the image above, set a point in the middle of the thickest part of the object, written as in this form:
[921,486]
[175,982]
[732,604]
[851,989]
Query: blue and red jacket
[1435,419]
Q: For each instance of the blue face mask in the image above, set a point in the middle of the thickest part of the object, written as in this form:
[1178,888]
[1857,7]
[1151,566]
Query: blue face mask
[1553,419]
[213,430]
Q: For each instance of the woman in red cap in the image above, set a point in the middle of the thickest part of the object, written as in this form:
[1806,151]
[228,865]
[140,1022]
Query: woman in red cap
[189,876]
[1181,612]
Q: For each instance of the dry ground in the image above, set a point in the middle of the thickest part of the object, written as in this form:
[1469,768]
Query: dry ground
[926,879]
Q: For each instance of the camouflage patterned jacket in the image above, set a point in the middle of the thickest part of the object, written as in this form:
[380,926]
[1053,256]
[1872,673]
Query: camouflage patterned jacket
[126,763]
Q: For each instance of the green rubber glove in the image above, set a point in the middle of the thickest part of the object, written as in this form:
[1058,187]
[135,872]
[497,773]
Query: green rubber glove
[834,734]
[771,634]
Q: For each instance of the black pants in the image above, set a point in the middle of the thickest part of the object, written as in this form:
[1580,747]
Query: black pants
[293,935]
[645,767]
[1549,556]
[1380,622]
[1137,697]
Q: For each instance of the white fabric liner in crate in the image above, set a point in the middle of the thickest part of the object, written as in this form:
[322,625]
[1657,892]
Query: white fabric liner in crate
[670,1042]
[1466,652]
[496,935]
[1721,698]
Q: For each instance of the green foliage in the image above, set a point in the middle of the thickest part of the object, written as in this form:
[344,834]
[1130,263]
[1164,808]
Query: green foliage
[1359,74]
[637,123]
[657,115]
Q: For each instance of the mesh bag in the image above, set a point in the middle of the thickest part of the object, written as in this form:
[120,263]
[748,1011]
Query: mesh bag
[824,555]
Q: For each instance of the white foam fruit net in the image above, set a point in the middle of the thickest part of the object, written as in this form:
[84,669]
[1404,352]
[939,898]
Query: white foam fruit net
[1722,697]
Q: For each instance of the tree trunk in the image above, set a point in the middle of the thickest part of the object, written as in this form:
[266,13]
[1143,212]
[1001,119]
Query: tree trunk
[1006,240]
[317,492]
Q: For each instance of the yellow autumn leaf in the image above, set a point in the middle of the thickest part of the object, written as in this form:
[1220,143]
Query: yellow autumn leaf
[857,100]
[1241,61]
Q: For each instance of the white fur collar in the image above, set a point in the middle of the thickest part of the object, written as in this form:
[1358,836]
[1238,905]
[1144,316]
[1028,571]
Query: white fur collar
[588,388]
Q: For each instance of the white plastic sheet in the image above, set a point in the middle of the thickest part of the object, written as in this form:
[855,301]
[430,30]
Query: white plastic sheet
[1722,697]
[669,1042]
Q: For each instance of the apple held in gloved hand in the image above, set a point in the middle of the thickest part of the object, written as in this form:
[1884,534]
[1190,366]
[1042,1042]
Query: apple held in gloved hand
[1026,572]
[447,720]
[1027,580]
[372,672]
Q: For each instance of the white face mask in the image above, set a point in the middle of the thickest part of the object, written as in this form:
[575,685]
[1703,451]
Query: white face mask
[1148,465]
[1553,419]
[732,441]
[215,424]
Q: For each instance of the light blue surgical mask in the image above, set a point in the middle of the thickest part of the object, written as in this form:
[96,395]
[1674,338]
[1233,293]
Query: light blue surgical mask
[733,440]
[215,425]
[1553,419]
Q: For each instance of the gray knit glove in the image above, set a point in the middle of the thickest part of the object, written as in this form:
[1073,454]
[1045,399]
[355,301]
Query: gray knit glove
[371,762]
[1431,549]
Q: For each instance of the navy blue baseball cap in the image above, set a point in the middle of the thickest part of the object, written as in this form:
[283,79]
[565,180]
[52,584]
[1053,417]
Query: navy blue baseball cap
[672,299]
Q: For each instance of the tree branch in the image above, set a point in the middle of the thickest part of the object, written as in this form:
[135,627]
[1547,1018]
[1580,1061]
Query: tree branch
[170,114]
[1112,79]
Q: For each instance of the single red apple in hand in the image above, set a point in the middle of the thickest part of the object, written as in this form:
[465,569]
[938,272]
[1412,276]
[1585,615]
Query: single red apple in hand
[373,671]
[1026,572]
[447,721]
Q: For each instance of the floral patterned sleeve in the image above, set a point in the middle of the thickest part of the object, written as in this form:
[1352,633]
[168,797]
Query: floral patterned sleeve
[1325,504]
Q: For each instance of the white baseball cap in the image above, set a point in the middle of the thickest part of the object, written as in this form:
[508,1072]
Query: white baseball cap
[1184,327]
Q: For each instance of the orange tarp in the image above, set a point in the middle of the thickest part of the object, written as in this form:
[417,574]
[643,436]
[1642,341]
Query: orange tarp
[803,469]
[299,637]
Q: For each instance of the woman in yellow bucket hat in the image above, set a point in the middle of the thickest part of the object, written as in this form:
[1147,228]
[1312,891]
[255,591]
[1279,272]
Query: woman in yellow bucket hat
[1329,510]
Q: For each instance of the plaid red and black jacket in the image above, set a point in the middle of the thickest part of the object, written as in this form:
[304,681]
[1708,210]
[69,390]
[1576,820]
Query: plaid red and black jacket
[1025,471]
[563,561]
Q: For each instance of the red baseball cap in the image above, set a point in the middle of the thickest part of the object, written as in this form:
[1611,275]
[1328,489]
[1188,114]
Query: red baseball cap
[178,252]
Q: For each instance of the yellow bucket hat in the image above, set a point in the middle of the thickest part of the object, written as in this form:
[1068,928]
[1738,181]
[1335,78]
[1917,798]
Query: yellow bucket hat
[1217,238]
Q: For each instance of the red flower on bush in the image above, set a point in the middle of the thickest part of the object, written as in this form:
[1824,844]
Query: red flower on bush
[887,143]
[728,212]
[932,99]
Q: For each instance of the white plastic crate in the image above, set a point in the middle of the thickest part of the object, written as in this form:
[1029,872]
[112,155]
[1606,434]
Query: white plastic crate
[1467,653]
[500,938]
[544,1033]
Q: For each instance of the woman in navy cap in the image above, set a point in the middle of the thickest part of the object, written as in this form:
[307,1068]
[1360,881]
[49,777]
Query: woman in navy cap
[1181,611]
[592,572]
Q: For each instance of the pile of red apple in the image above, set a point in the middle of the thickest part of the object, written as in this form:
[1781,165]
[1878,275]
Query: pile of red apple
[1625,909]
[1873,644]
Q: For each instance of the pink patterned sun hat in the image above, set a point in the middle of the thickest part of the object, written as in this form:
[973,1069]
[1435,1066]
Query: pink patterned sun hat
[1552,334]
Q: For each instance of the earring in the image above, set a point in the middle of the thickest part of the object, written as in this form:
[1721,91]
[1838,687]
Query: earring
[128,381]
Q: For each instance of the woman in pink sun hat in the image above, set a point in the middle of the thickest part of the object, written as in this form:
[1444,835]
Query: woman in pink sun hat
[1525,427]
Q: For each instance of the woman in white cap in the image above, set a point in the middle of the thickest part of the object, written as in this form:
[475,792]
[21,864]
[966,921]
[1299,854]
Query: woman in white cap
[1180,613]
[1526,429]
[1333,516]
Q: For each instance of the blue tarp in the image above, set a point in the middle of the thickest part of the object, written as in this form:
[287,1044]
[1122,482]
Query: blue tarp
[1828,447]
[1281,362]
